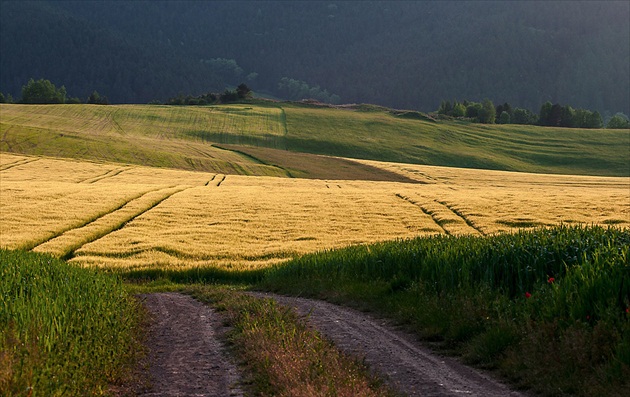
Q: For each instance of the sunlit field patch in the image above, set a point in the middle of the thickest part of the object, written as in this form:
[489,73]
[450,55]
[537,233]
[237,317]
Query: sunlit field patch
[132,217]
[499,201]
[158,136]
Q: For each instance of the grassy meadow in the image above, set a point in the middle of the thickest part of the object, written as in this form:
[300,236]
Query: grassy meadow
[186,137]
[424,222]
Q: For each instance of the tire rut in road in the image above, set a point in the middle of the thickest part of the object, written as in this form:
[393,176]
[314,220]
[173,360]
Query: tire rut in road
[186,356]
[394,356]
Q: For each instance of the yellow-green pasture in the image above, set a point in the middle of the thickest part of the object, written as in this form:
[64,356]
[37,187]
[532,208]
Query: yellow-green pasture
[159,136]
[184,137]
[127,216]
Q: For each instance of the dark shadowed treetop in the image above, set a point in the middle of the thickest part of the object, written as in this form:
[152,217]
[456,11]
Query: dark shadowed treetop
[43,92]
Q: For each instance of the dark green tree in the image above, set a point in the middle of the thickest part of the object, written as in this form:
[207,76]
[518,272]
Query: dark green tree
[472,110]
[595,120]
[618,121]
[243,91]
[459,110]
[42,91]
[545,113]
[523,116]
[96,99]
[504,108]
[504,118]
[581,118]
[229,96]
[567,115]
[487,114]
[555,115]
[2,100]
[445,108]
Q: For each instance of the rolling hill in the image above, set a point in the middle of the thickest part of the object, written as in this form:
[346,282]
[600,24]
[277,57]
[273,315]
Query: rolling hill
[261,138]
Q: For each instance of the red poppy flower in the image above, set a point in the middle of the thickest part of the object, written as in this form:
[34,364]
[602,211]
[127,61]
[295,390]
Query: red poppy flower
[528,295]
[551,280]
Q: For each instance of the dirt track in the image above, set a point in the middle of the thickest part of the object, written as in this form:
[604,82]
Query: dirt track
[394,356]
[186,357]
[188,360]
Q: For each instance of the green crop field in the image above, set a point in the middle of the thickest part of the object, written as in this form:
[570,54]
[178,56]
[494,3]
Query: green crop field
[64,331]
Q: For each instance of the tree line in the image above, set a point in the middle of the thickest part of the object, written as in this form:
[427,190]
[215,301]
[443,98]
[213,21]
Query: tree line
[43,91]
[241,92]
[550,115]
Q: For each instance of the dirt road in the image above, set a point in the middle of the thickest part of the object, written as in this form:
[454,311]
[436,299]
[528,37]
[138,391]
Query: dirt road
[396,357]
[188,360]
[186,357]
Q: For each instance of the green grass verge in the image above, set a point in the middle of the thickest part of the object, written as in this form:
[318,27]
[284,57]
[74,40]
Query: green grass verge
[283,356]
[547,308]
[64,331]
[203,275]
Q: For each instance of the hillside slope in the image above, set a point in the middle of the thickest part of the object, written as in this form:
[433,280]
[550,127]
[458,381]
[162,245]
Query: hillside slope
[260,139]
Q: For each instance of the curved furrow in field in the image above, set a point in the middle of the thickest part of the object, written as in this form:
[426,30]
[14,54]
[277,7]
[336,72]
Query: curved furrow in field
[425,211]
[17,163]
[66,243]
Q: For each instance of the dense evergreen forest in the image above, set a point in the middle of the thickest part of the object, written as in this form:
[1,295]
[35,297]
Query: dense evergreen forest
[398,54]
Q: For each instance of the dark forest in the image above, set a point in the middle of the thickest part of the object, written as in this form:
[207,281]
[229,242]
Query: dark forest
[399,54]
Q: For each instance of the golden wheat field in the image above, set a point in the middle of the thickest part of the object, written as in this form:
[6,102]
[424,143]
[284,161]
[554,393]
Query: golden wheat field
[128,216]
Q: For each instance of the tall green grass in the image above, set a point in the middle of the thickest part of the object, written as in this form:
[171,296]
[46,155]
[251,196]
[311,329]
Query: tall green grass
[549,308]
[64,331]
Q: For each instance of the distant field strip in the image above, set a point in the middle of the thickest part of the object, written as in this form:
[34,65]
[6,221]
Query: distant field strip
[183,137]
[68,242]
[164,218]
[160,136]
[147,120]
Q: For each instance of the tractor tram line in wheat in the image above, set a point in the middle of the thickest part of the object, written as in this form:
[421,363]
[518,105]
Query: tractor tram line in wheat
[66,244]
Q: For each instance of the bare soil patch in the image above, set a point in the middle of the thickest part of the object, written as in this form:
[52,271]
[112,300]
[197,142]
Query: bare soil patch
[315,166]
[186,355]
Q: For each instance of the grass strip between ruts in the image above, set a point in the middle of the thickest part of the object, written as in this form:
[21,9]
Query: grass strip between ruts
[283,356]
